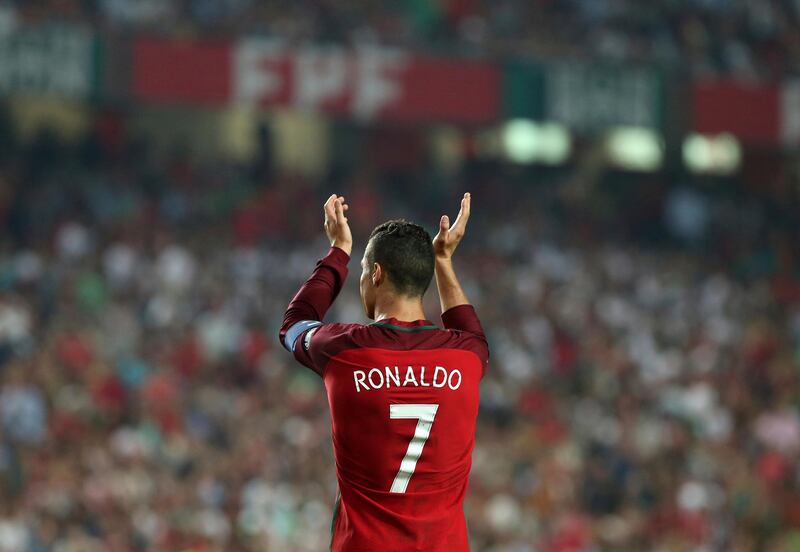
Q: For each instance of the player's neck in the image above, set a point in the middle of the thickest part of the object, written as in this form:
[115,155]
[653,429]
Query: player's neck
[403,309]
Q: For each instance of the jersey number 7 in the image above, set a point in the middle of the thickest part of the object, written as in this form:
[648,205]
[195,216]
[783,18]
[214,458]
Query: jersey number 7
[424,414]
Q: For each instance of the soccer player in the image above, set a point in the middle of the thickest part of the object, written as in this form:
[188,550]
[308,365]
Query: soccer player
[403,393]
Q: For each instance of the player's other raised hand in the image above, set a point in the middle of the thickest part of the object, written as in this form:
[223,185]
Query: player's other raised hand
[336,227]
[448,238]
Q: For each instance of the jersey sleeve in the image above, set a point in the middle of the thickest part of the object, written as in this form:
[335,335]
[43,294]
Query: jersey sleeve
[317,294]
[316,345]
[303,316]
[464,320]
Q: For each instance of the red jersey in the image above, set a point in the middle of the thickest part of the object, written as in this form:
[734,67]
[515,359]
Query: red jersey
[404,399]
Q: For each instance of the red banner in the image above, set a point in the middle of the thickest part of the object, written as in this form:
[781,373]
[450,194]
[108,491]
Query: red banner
[182,72]
[368,83]
[751,112]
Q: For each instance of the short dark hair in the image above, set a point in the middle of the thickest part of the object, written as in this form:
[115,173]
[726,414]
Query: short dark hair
[405,251]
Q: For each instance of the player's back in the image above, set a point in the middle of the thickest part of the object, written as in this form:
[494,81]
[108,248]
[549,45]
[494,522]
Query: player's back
[404,399]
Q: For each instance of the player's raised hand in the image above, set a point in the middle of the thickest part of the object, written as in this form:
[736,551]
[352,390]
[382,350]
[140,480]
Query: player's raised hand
[336,227]
[448,238]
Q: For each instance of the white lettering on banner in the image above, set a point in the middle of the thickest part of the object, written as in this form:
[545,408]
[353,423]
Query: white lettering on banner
[362,81]
[319,76]
[587,97]
[376,86]
[47,60]
[256,75]
[389,377]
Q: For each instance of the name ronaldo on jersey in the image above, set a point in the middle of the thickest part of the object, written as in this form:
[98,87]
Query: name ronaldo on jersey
[413,376]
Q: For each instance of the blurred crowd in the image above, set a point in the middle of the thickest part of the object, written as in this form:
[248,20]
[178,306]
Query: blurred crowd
[749,39]
[643,390]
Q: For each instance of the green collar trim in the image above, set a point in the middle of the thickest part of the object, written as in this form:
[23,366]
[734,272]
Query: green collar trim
[404,329]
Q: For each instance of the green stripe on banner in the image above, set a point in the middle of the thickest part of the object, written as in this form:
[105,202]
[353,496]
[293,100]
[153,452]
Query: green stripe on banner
[523,90]
[585,97]
[590,98]
[53,60]
[424,15]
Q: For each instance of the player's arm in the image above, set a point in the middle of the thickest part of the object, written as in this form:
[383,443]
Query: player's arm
[457,312]
[308,307]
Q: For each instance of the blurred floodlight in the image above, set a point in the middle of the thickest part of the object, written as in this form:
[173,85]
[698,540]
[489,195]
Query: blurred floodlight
[637,149]
[528,142]
[721,154]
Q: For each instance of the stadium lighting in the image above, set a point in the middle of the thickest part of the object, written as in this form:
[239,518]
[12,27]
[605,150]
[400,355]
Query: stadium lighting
[721,154]
[525,142]
[637,149]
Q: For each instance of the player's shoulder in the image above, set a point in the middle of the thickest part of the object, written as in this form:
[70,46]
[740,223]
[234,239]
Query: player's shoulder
[347,335]
[422,337]
[355,335]
[329,340]
[340,329]
[469,341]
[336,334]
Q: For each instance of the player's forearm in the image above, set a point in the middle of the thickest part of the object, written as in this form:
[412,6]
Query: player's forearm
[450,292]
[317,294]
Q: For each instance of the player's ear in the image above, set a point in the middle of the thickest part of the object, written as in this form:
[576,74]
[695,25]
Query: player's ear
[377,275]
